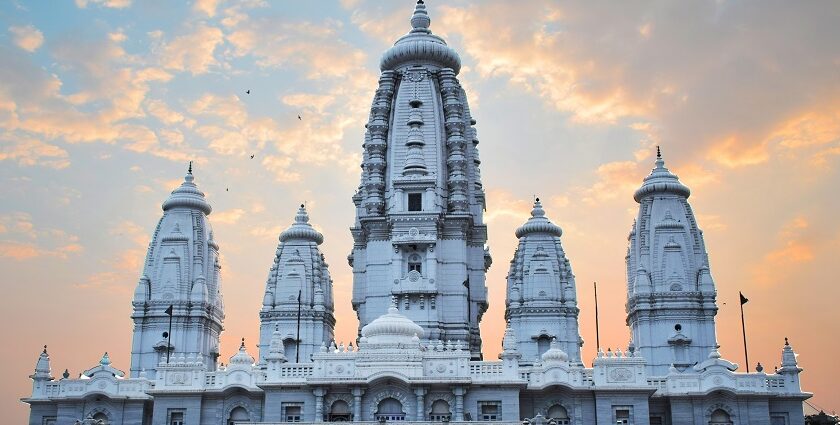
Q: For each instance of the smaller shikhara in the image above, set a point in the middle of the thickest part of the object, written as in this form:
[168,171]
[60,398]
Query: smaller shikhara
[419,262]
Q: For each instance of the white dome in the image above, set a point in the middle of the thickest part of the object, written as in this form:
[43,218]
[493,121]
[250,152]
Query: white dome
[555,354]
[392,327]
[242,358]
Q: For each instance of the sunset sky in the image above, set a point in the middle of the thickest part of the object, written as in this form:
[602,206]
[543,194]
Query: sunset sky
[103,103]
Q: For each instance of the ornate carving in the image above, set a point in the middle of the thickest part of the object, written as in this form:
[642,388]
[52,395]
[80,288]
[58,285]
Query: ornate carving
[621,374]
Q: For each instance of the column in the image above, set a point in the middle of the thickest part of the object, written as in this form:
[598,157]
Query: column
[357,403]
[319,403]
[421,405]
[459,403]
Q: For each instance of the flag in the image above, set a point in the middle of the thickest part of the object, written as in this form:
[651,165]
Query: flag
[744,299]
[169,311]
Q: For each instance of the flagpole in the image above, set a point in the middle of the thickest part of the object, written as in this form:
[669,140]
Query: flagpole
[744,330]
[297,347]
[597,327]
[169,334]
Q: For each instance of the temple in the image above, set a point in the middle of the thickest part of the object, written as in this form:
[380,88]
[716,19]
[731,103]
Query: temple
[419,261]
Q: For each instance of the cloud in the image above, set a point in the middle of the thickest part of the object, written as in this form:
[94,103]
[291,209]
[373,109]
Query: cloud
[29,152]
[207,7]
[229,216]
[280,167]
[27,37]
[795,246]
[114,4]
[193,52]
[24,241]
[615,180]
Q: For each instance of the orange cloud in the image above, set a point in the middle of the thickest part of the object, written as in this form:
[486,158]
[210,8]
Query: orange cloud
[735,152]
[27,37]
[193,52]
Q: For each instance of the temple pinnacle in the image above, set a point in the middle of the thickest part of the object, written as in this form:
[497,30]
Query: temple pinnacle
[658,153]
[189,170]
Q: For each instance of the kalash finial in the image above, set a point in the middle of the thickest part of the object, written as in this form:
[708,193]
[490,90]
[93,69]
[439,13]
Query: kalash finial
[45,347]
[242,346]
[420,20]
[658,153]
[189,170]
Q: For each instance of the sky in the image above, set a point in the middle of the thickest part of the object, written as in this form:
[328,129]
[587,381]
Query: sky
[104,102]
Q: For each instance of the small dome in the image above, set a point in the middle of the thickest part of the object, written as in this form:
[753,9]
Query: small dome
[301,229]
[661,180]
[241,358]
[420,45]
[187,196]
[555,354]
[538,223]
[391,327]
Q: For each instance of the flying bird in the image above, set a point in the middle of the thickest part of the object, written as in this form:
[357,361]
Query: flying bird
[248,91]
[252,156]
[227,189]
[299,118]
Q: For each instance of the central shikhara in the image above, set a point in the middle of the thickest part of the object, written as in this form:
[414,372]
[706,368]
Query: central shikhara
[419,261]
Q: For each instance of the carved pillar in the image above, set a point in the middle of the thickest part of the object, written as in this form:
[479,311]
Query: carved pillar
[377,145]
[357,403]
[459,403]
[420,393]
[319,403]
[456,159]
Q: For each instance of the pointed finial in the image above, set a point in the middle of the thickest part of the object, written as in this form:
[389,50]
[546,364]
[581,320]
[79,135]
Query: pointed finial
[787,344]
[242,346]
[45,349]
[189,170]
[66,374]
[658,153]
[420,19]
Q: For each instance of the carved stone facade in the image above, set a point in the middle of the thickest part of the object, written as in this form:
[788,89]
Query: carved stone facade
[419,265]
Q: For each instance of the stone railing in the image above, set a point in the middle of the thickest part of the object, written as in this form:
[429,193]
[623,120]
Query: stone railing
[482,369]
[379,423]
[295,371]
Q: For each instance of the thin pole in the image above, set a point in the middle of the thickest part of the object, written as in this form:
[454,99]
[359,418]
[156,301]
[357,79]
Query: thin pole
[744,330]
[297,347]
[597,326]
[169,334]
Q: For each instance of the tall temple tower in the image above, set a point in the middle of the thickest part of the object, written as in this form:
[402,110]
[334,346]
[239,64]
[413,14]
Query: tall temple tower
[298,303]
[419,234]
[541,304]
[670,292]
[182,271]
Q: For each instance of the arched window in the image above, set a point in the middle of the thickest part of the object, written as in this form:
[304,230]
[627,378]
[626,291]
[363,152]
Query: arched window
[102,417]
[390,409]
[415,264]
[339,412]
[290,347]
[720,417]
[440,412]
[559,414]
[543,344]
[238,414]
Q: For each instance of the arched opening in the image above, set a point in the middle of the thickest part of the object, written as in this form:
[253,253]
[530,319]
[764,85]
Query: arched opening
[238,414]
[390,409]
[102,418]
[720,417]
[290,347]
[543,344]
[340,412]
[440,412]
[415,263]
[558,414]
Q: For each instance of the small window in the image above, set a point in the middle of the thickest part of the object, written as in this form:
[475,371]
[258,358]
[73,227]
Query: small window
[490,410]
[292,412]
[415,264]
[415,202]
[622,416]
[176,418]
